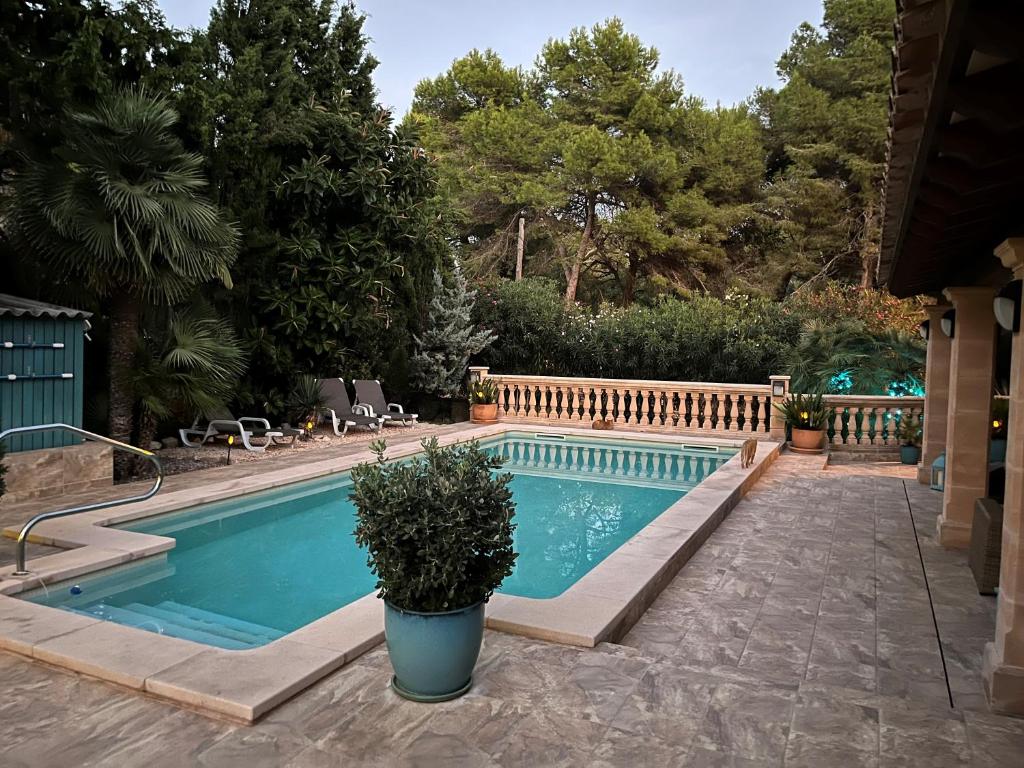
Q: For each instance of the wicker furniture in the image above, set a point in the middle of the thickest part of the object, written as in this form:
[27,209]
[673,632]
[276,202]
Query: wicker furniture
[986,544]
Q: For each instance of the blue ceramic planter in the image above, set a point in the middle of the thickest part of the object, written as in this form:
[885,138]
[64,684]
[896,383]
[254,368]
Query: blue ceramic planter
[433,654]
[910,454]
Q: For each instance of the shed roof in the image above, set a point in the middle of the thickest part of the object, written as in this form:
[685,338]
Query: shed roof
[17,306]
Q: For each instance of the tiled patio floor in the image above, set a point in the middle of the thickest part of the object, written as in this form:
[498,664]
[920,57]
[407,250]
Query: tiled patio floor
[801,634]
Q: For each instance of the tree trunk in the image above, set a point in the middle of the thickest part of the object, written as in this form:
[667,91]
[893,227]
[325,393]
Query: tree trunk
[147,435]
[868,250]
[124,337]
[573,273]
[520,246]
[629,282]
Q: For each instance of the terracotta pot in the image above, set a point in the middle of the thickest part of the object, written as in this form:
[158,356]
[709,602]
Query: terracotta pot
[807,439]
[484,413]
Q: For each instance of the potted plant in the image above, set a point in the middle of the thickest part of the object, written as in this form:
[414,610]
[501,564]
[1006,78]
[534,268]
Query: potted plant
[909,435]
[306,402]
[483,400]
[808,418]
[439,531]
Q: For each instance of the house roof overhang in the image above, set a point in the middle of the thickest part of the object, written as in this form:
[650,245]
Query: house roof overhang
[954,178]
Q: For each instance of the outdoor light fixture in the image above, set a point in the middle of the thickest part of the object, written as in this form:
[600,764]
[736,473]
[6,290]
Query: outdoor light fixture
[778,389]
[938,473]
[923,329]
[1006,306]
[948,322]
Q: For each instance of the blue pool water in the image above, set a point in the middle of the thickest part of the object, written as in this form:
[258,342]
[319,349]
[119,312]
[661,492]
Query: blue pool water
[249,570]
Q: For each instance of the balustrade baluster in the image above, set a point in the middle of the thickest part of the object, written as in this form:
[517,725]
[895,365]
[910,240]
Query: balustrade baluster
[837,426]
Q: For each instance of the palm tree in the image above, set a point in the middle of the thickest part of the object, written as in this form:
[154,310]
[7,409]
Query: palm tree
[846,357]
[187,363]
[120,206]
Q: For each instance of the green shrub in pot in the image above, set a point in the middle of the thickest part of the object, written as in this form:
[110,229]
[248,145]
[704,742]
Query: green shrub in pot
[439,530]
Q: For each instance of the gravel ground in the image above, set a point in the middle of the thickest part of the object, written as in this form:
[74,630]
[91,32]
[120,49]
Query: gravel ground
[214,454]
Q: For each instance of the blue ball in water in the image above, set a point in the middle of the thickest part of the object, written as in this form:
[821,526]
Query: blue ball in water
[76,590]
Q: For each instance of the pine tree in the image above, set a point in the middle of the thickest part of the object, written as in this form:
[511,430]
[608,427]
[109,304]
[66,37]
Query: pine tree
[450,339]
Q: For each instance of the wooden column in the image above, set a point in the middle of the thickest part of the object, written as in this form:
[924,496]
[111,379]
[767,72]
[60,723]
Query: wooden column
[1004,658]
[936,393]
[968,416]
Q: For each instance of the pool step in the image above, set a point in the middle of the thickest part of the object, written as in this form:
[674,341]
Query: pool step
[143,620]
[188,623]
[265,634]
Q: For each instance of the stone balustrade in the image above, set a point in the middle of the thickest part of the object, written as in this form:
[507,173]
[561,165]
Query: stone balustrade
[699,408]
[867,420]
[694,407]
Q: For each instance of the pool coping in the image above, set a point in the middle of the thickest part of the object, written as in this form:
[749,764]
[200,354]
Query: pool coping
[244,685]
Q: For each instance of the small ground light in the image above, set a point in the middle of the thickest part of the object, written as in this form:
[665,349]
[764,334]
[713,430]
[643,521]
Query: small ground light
[309,430]
[231,442]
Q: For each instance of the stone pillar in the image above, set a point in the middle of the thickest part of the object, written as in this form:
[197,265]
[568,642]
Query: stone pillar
[1004,658]
[968,427]
[778,424]
[936,393]
[478,372]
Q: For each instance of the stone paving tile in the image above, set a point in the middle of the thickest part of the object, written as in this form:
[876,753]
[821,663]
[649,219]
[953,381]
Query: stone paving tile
[799,635]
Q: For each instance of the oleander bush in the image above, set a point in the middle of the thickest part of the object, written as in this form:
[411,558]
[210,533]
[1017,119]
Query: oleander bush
[738,339]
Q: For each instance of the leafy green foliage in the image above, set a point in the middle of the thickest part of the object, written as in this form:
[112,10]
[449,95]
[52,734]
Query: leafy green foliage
[738,339]
[909,431]
[449,340]
[438,528]
[846,357]
[121,205]
[483,392]
[825,132]
[306,401]
[341,229]
[805,411]
[831,302]
[188,363]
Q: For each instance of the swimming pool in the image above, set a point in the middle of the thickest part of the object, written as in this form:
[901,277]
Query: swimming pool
[247,571]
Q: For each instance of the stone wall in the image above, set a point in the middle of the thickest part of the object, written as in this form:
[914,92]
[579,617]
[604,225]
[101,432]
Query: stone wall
[55,471]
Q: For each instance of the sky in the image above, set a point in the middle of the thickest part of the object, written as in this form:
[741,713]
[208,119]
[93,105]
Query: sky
[723,49]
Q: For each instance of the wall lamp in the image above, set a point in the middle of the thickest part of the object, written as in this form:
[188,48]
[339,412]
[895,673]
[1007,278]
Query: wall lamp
[948,322]
[1006,306]
[924,329]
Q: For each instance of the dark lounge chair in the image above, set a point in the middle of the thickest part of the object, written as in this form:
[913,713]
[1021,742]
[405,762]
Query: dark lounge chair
[343,413]
[369,392]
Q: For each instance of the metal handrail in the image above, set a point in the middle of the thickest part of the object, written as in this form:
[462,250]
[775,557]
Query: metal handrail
[118,445]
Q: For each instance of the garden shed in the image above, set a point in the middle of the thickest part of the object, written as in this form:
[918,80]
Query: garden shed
[41,362]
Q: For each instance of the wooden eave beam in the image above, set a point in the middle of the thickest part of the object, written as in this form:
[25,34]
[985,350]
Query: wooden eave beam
[992,96]
[997,29]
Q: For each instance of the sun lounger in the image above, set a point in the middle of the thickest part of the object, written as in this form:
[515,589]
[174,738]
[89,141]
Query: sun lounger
[245,428]
[369,392]
[343,413]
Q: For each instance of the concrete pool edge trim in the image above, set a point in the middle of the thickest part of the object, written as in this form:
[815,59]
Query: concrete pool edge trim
[244,685]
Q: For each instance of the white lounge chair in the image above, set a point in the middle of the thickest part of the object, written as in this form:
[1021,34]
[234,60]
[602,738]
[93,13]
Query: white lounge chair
[245,428]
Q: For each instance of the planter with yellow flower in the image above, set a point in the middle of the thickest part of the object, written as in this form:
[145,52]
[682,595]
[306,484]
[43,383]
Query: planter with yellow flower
[483,402]
[808,418]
